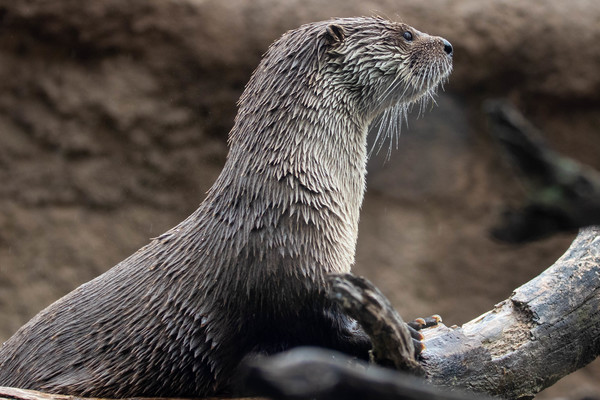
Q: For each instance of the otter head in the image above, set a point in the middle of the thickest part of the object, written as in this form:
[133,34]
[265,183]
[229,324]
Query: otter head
[381,64]
[351,69]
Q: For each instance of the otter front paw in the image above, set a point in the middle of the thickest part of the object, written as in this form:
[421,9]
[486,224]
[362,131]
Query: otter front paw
[421,323]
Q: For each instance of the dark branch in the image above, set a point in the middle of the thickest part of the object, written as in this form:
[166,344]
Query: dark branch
[309,373]
[563,195]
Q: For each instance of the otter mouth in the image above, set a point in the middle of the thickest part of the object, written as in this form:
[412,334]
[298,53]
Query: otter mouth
[419,87]
[417,82]
[425,81]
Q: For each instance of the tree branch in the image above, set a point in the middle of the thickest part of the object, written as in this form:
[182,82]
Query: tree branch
[562,195]
[309,373]
[546,329]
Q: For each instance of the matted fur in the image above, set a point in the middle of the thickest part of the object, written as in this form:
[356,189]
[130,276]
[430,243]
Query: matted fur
[245,272]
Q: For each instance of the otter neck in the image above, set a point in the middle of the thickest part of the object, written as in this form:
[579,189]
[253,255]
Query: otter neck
[302,170]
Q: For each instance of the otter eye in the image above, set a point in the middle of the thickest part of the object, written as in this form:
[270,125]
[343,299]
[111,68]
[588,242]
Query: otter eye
[408,36]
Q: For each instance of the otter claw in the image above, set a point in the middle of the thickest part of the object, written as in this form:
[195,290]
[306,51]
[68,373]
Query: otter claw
[421,323]
[432,321]
[419,347]
[414,333]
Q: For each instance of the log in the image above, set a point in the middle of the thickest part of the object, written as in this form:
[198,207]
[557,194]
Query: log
[546,329]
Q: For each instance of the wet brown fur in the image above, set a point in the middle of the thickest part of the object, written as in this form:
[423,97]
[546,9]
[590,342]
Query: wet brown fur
[245,273]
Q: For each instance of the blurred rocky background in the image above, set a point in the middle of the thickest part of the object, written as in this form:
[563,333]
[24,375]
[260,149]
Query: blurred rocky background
[114,116]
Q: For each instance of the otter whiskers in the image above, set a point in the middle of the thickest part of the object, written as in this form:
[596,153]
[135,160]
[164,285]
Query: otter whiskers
[390,121]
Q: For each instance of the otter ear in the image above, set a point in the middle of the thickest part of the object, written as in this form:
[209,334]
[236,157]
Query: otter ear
[335,34]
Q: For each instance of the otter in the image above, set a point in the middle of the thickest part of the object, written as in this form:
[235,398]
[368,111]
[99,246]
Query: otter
[246,272]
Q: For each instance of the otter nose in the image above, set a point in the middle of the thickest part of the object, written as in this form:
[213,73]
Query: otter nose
[447,47]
